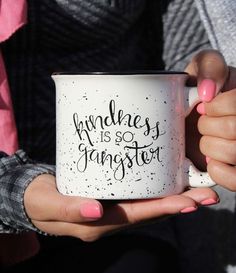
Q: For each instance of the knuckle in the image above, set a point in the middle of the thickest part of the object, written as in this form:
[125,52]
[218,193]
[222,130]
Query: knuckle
[200,123]
[207,53]
[213,63]
[202,144]
[215,172]
[233,153]
[211,170]
[213,107]
[230,127]
[64,211]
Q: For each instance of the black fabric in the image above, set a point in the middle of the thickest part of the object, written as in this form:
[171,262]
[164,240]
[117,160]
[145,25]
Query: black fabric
[53,40]
[116,254]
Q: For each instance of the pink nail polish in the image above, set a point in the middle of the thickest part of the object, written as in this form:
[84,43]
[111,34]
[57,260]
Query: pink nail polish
[201,109]
[207,159]
[207,90]
[91,210]
[209,201]
[189,209]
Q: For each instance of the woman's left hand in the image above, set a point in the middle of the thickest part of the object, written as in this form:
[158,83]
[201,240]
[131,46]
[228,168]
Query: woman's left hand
[217,124]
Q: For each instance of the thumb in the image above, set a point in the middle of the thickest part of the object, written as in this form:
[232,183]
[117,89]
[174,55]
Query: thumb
[44,203]
[208,64]
[75,209]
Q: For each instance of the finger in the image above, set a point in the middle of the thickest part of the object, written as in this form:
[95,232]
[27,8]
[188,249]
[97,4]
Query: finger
[222,105]
[134,212]
[137,211]
[209,64]
[219,149]
[120,215]
[203,196]
[43,202]
[222,127]
[223,174]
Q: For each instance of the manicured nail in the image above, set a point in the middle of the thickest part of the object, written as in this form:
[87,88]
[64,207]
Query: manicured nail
[201,109]
[91,210]
[209,201]
[189,209]
[207,159]
[207,90]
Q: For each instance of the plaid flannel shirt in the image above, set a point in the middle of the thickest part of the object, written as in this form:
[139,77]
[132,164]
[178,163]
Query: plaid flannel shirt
[16,172]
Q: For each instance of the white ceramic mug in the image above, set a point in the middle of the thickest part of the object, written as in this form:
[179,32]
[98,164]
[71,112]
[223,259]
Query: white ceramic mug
[122,135]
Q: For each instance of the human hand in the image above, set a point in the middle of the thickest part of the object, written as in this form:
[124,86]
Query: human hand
[218,121]
[88,219]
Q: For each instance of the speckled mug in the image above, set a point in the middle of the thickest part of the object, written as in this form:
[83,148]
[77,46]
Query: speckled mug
[122,135]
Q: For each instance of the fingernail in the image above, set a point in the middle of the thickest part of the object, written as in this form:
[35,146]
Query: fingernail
[189,209]
[91,210]
[201,109]
[207,159]
[209,201]
[207,90]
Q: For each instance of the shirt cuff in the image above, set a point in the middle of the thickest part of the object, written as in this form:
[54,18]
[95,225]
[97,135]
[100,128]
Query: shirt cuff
[16,173]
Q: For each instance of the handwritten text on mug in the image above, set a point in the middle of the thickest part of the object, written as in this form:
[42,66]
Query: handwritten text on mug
[131,153]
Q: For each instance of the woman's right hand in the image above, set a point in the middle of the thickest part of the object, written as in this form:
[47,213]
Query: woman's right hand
[87,219]
[217,125]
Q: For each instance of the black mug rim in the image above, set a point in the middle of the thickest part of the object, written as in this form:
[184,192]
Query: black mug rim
[128,72]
